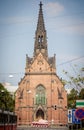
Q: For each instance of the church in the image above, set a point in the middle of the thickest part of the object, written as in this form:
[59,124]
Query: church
[40,93]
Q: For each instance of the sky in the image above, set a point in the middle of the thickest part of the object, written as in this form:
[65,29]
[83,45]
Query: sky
[64,23]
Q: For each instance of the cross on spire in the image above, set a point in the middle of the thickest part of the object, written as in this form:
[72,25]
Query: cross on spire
[40,4]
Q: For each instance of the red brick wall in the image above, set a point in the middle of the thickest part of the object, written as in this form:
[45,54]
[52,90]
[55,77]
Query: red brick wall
[41,74]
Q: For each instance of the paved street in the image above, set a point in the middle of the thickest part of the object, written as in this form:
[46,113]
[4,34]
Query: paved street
[34,128]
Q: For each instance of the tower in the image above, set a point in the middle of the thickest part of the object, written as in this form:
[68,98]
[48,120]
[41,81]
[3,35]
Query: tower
[40,36]
[41,93]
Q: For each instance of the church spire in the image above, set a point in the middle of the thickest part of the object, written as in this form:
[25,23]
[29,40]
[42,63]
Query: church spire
[40,45]
[40,24]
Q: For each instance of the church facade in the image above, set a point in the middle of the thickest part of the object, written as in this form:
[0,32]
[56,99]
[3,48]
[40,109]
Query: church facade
[41,94]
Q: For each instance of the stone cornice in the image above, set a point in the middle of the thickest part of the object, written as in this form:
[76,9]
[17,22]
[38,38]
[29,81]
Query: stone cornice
[40,73]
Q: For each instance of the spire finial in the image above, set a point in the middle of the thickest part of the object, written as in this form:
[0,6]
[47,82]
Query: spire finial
[40,4]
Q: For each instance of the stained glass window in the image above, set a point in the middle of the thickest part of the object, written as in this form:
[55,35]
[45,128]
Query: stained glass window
[40,95]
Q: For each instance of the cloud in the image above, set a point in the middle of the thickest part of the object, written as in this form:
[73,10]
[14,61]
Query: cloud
[70,25]
[53,8]
[10,87]
[65,57]
[15,20]
[68,59]
[58,22]
[77,29]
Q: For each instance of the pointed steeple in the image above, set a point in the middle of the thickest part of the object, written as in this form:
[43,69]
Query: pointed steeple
[40,24]
[40,36]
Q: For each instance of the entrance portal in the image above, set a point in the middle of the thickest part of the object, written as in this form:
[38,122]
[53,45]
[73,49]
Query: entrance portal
[40,114]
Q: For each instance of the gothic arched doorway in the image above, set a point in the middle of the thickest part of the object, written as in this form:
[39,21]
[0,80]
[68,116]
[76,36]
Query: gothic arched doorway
[40,114]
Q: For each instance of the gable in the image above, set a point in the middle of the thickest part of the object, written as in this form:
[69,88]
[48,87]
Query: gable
[40,64]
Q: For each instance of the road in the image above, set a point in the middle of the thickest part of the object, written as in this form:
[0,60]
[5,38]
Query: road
[34,128]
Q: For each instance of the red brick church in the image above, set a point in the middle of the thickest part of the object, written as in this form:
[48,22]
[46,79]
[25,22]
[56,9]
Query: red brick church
[41,94]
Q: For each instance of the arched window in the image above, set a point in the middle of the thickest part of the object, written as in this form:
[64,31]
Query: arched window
[40,39]
[40,95]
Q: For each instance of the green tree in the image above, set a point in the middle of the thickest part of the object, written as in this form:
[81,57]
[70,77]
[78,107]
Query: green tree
[6,100]
[72,97]
[75,82]
[81,94]
[76,86]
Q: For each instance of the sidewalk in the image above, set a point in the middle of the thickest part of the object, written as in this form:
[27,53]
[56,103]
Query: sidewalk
[25,127]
